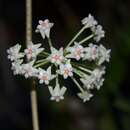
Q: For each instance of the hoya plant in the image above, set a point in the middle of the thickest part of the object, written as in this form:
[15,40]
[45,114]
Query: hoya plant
[81,61]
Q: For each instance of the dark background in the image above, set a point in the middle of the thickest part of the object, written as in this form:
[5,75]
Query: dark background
[110,107]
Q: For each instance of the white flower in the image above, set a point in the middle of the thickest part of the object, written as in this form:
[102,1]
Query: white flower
[44,28]
[104,54]
[76,52]
[16,67]
[57,93]
[88,81]
[45,76]
[89,21]
[98,79]
[98,83]
[85,96]
[98,53]
[94,80]
[91,52]
[98,32]
[98,72]
[56,56]
[13,53]
[28,70]
[33,50]
[66,70]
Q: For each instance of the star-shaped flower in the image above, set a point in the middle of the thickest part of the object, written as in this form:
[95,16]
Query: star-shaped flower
[33,50]
[89,21]
[66,70]
[57,93]
[16,67]
[13,53]
[56,56]
[44,28]
[98,32]
[94,80]
[85,96]
[28,70]
[45,76]
[104,54]
[91,52]
[76,51]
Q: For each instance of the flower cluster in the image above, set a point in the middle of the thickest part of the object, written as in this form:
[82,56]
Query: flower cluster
[81,61]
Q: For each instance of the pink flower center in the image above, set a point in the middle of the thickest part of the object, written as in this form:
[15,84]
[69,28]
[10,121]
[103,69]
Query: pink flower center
[44,77]
[56,57]
[66,71]
[45,23]
[94,50]
[30,51]
[79,51]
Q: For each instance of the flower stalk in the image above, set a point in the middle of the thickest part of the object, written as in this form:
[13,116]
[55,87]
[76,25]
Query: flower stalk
[33,94]
[83,69]
[75,37]
[33,97]
[41,63]
[78,85]
[50,43]
[86,39]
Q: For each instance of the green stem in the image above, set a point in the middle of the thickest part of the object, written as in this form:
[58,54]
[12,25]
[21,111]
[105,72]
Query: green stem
[57,79]
[81,68]
[39,61]
[78,85]
[50,43]
[80,73]
[74,38]
[85,69]
[45,53]
[41,64]
[86,39]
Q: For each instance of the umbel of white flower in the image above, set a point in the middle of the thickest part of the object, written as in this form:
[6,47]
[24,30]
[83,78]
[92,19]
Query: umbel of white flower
[66,63]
